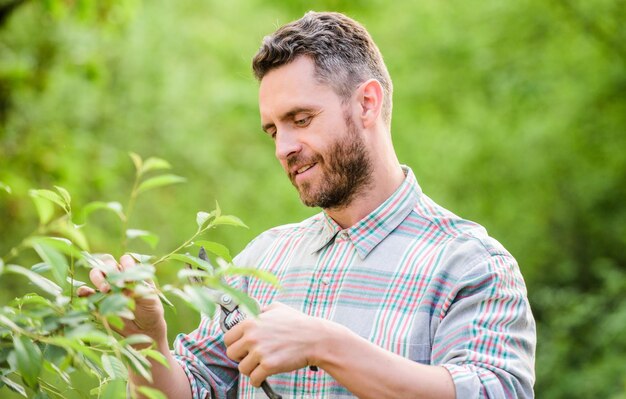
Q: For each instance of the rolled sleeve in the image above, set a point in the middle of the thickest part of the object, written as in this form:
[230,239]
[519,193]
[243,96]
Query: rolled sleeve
[202,355]
[486,338]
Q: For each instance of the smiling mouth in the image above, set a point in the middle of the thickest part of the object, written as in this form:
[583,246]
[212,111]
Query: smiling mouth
[304,168]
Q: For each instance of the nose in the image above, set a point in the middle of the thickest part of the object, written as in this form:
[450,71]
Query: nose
[286,143]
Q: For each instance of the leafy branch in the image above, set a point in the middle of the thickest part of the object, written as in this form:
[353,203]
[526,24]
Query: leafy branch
[46,337]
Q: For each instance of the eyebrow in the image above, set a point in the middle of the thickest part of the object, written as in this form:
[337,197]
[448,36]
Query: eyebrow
[290,114]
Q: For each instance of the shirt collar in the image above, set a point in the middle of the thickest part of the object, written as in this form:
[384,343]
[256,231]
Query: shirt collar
[367,233]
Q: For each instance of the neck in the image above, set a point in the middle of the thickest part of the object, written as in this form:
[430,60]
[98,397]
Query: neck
[385,180]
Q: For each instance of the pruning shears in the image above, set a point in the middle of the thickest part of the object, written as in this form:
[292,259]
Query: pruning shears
[230,315]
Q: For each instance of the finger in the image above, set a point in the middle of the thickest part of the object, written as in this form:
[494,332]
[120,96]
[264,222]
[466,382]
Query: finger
[258,375]
[127,261]
[248,364]
[237,351]
[84,291]
[109,265]
[235,333]
[99,281]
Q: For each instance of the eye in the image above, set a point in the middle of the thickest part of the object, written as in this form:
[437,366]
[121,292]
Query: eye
[270,132]
[302,121]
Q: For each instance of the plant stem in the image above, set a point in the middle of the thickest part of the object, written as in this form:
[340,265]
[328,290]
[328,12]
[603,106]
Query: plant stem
[183,245]
[129,209]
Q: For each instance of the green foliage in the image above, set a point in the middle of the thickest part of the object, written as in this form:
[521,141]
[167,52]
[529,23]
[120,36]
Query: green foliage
[512,114]
[55,334]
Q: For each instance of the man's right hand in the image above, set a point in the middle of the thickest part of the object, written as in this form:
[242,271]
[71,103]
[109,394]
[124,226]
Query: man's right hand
[149,320]
[149,315]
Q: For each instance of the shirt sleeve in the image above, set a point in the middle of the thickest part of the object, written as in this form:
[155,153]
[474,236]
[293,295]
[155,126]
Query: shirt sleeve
[202,354]
[486,337]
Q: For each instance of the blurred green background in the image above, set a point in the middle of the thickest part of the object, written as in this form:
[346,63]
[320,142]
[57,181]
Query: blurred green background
[511,114]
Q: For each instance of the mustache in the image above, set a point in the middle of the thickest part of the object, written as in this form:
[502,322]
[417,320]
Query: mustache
[297,159]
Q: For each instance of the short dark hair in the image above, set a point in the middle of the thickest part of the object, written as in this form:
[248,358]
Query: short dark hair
[343,52]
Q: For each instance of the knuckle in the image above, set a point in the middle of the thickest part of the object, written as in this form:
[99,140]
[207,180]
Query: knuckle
[269,364]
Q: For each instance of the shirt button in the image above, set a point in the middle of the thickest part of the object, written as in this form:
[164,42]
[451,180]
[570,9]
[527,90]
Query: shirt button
[325,280]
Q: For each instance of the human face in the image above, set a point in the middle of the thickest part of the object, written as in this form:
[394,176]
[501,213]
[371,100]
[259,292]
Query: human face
[317,140]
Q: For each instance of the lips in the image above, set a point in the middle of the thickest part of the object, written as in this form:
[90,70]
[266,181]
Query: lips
[304,168]
[300,171]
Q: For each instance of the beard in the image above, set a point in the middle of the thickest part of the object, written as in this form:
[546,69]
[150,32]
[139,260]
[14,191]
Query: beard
[346,171]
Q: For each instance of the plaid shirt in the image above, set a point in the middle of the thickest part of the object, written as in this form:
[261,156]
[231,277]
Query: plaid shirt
[411,277]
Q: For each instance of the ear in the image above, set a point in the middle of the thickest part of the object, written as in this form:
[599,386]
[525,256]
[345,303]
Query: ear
[370,97]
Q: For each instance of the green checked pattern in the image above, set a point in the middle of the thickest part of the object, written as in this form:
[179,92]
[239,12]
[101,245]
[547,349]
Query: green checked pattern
[411,277]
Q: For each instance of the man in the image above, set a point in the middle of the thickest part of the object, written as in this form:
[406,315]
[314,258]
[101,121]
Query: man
[388,294]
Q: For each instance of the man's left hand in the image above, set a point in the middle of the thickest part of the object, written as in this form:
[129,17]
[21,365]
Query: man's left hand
[280,340]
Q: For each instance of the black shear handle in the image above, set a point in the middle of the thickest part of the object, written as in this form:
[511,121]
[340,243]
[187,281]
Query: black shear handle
[269,391]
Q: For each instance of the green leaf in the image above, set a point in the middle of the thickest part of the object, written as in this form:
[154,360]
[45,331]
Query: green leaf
[229,220]
[75,283]
[202,218]
[87,333]
[114,389]
[194,261]
[116,304]
[114,367]
[166,301]
[53,258]
[45,209]
[14,386]
[49,196]
[154,163]
[41,395]
[5,187]
[218,210]
[137,362]
[62,244]
[148,237]
[136,160]
[187,274]
[56,355]
[215,248]
[33,300]
[114,207]
[141,258]
[115,321]
[136,339]
[75,346]
[73,232]
[95,261]
[67,199]
[137,273]
[53,368]
[41,268]
[151,393]
[156,355]
[29,359]
[196,297]
[201,299]
[159,181]
[36,279]
[9,323]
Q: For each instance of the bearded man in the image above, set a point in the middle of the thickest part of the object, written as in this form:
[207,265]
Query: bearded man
[385,293]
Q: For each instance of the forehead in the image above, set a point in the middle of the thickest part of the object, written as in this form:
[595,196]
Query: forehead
[291,86]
